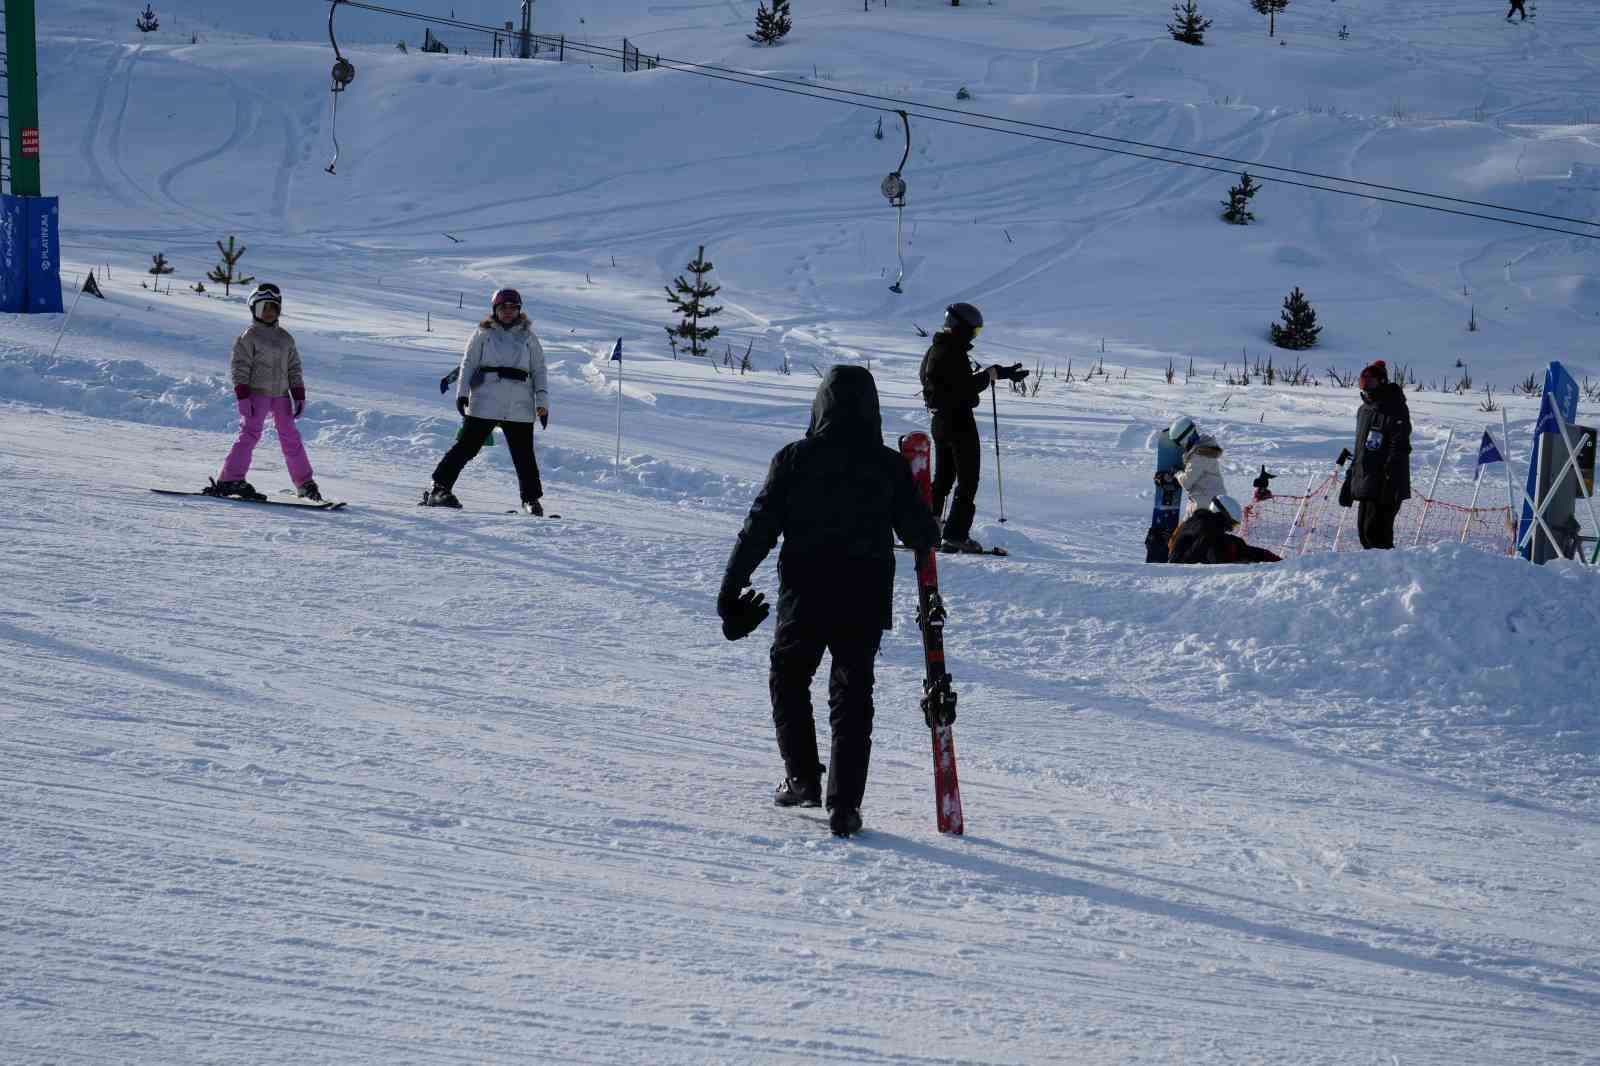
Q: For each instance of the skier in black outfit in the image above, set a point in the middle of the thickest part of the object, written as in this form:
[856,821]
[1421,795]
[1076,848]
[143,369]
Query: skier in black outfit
[1517,9]
[837,498]
[951,388]
[1379,476]
[1206,537]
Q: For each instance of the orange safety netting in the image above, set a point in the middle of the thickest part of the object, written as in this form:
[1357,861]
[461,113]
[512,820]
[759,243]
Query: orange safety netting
[1296,525]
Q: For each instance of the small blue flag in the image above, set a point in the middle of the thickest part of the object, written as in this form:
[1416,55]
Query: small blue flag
[1487,452]
[616,353]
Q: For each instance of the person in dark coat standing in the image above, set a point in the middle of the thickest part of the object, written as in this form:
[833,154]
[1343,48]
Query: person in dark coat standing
[951,388]
[837,498]
[1379,477]
[1207,537]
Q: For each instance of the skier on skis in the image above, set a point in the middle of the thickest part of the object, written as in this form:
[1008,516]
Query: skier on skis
[1206,537]
[265,368]
[1201,476]
[1379,476]
[502,382]
[951,388]
[837,498]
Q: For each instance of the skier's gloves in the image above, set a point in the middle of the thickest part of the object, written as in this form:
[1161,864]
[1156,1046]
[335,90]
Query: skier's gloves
[461,405]
[741,614]
[299,394]
[241,392]
[1014,372]
[544,418]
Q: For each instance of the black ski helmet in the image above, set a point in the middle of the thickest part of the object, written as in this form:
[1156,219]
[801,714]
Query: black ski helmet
[963,318]
[265,293]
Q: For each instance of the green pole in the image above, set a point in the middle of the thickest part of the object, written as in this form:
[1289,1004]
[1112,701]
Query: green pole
[22,89]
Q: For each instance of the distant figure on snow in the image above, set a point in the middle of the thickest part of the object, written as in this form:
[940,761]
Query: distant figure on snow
[1379,476]
[1201,476]
[1206,537]
[265,368]
[1517,9]
[951,388]
[502,383]
[837,498]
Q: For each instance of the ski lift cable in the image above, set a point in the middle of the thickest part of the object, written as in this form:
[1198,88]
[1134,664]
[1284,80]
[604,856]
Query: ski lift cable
[774,83]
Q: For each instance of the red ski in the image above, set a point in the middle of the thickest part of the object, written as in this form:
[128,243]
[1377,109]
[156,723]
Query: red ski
[938,695]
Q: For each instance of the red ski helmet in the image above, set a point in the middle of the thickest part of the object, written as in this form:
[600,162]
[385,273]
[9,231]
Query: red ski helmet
[504,296]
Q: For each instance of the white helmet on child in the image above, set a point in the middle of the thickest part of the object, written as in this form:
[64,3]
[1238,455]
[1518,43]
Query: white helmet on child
[1182,426]
[1229,506]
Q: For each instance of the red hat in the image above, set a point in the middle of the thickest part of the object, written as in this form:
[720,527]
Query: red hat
[1374,375]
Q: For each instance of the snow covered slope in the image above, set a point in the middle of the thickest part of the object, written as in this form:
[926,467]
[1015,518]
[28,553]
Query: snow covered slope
[401,786]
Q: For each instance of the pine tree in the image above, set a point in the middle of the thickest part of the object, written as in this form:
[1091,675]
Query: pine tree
[222,273]
[689,300]
[160,265]
[1270,8]
[1187,25]
[1299,329]
[771,25]
[1236,208]
[147,22]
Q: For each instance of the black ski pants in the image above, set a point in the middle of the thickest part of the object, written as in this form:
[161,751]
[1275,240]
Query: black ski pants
[956,457]
[1375,522]
[797,650]
[474,432]
[1516,8]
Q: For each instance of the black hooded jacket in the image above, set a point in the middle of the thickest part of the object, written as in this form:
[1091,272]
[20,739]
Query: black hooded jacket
[837,498]
[1204,537]
[1381,469]
[949,384]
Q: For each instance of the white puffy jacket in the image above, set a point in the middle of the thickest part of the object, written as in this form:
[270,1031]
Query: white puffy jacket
[1201,476]
[494,397]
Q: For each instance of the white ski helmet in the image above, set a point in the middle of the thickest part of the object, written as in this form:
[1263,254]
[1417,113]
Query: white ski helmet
[1229,506]
[1182,426]
[265,293]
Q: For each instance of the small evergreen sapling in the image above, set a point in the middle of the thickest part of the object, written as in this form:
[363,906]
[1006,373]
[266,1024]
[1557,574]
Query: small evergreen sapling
[1236,208]
[1270,8]
[159,265]
[771,24]
[222,273]
[1299,329]
[1187,25]
[147,22]
[691,301]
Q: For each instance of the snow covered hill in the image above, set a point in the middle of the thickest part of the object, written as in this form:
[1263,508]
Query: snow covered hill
[395,785]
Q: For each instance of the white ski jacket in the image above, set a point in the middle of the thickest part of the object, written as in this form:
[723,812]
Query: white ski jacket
[1201,476]
[492,396]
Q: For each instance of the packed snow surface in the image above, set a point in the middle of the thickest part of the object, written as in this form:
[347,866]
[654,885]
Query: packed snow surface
[414,786]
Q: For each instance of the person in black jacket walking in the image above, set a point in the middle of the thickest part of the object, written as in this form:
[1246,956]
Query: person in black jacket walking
[951,388]
[1379,476]
[837,498]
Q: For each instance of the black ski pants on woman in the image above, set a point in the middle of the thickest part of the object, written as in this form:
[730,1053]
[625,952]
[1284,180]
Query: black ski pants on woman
[796,653]
[475,431]
[956,458]
[1375,522]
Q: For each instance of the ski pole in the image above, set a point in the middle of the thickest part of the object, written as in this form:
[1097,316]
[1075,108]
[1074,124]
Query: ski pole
[999,482]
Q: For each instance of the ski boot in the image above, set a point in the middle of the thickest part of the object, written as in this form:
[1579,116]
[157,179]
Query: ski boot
[308,490]
[964,546]
[237,487]
[844,821]
[533,507]
[439,496]
[800,791]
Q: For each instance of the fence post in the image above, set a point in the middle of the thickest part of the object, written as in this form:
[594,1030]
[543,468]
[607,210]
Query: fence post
[1428,500]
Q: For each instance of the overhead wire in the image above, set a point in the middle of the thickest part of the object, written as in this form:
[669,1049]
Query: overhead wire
[977,120]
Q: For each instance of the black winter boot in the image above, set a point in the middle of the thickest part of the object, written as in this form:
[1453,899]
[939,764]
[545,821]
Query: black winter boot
[800,791]
[439,496]
[844,821]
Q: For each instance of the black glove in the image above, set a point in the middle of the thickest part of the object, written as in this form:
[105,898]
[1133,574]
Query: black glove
[544,419]
[741,612]
[1014,372]
[461,405]
[1345,498]
[1166,479]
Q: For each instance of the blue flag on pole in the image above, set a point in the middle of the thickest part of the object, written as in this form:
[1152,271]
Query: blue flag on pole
[616,353]
[1487,452]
